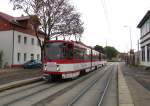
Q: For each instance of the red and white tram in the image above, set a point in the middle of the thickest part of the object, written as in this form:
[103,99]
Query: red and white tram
[69,59]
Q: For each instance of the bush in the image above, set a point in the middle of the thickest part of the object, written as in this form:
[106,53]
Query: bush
[1,58]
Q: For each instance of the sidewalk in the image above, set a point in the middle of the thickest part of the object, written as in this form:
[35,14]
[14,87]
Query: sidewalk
[125,98]
[138,81]
[11,75]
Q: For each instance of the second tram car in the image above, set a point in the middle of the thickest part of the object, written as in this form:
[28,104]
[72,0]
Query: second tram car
[69,59]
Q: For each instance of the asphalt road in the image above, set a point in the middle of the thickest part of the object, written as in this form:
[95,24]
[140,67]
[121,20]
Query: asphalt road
[63,92]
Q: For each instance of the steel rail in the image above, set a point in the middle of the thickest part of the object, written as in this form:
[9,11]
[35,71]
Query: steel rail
[21,98]
[64,90]
[20,89]
[75,99]
[20,83]
[18,99]
[105,90]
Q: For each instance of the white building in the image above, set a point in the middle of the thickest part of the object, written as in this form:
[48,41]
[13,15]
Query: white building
[17,40]
[144,26]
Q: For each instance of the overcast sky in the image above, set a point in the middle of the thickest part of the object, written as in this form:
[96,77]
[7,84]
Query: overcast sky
[104,21]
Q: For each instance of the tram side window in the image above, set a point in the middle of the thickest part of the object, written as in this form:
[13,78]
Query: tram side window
[83,54]
[87,54]
[95,55]
[100,57]
[76,53]
[86,57]
[80,53]
[70,52]
[63,52]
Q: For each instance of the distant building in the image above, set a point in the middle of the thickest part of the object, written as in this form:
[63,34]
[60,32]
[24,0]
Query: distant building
[121,56]
[17,40]
[144,26]
[130,57]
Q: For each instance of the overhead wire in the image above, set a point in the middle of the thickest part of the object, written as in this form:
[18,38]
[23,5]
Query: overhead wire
[104,6]
[106,14]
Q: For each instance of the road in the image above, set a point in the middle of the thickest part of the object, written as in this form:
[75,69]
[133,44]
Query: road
[98,88]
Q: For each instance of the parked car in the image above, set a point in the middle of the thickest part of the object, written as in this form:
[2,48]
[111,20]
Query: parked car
[33,64]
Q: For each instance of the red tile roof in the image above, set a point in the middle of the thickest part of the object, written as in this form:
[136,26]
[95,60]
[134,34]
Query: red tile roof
[21,18]
[6,17]
[15,21]
[11,18]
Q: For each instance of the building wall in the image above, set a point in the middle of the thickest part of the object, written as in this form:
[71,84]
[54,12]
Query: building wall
[144,41]
[144,26]
[27,48]
[145,62]
[9,40]
[6,44]
[144,45]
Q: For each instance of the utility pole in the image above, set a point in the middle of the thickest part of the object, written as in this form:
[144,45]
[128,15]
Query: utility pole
[130,35]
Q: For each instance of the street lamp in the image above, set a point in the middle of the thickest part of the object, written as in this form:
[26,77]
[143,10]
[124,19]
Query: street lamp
[130,34]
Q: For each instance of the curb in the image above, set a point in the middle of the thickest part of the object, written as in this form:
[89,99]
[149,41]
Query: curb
[125,98]
[2,71]
[7,70]
[19,83]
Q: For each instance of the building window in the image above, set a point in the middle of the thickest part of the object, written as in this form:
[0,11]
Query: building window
[143,53]
[38,57]
[148,52]
[32,56]
[25,56]
[19,38]
[25,40]
[145,28]
[18,57]
[32,41]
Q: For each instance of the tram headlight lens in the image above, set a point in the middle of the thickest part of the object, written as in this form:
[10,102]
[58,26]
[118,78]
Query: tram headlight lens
[57,68]
[45,67]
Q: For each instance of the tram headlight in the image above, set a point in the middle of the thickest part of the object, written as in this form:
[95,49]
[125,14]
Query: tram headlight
[45,67]
[57,68]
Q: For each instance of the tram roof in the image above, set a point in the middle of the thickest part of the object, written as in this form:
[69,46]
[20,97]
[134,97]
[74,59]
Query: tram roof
[70,41]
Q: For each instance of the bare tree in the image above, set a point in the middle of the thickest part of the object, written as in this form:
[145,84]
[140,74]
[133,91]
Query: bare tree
[54,17]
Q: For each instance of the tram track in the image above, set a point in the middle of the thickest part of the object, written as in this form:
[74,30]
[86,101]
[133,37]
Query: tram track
[20,83]
[105,89]
[20,89]
[87,88]
[27,94]
[61,92]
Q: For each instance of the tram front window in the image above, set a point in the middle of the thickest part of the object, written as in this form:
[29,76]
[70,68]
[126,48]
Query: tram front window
[55,50]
